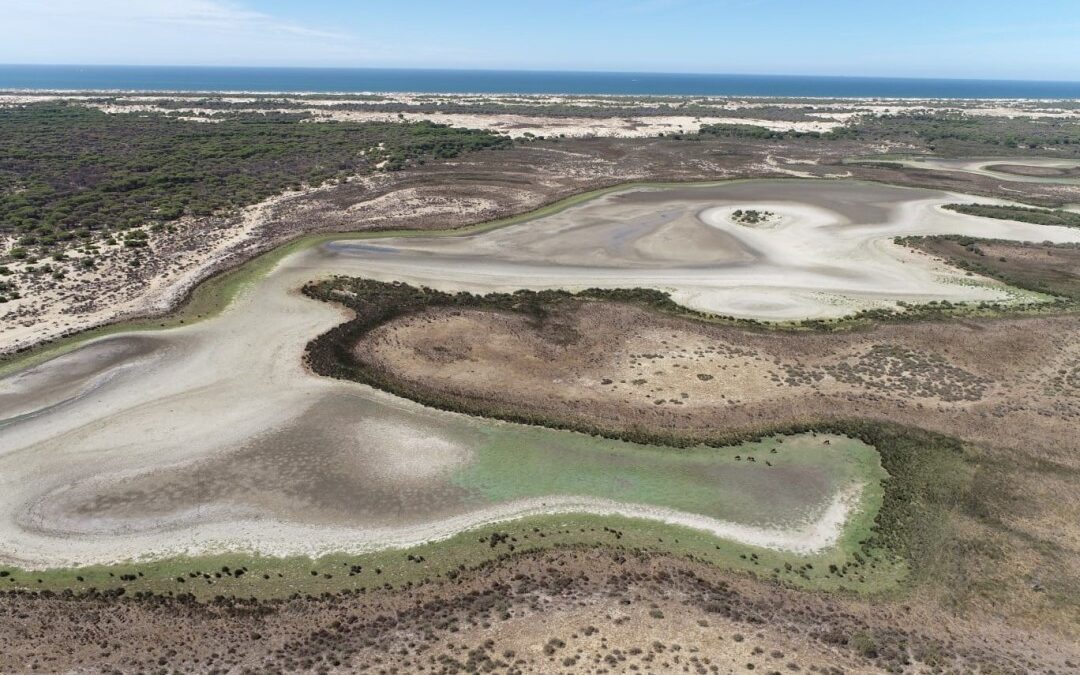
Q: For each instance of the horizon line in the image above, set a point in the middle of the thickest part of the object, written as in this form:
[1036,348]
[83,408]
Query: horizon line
[543,70]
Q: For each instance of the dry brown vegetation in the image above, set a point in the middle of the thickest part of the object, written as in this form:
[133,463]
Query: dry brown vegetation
[1036,171]
[1048,269]
[1006,387]
[619,367]
[563,611]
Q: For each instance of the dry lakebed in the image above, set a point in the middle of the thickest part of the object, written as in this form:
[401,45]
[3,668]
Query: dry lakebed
[214,437]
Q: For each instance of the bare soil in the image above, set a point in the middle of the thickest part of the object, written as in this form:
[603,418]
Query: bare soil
[620,367]
[572,611]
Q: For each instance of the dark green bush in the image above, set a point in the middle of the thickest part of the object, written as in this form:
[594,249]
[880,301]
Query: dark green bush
[67,168]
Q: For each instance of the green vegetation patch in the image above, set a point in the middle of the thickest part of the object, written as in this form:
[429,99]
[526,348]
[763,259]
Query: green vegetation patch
[749,131]
[956,134]
[1024,214]
[945,133]
[248,575]
[752,216]
[769,482]
[68,172]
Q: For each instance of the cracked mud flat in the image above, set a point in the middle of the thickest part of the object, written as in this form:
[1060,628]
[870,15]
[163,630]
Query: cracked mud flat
[213,436]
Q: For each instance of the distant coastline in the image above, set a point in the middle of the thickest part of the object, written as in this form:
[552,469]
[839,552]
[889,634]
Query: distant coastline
[362,80]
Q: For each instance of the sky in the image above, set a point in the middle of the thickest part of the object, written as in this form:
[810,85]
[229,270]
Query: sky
[992,39]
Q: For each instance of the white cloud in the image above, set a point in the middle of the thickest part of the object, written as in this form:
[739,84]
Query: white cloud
[166,31]
[211,14]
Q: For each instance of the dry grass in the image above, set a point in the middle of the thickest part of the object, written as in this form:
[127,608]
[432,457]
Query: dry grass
[1009,545]
[616,366]
[561,611]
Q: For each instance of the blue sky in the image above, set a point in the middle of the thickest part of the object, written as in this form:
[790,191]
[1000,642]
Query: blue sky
[1035,39]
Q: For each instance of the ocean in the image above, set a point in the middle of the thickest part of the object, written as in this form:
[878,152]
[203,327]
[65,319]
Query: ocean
[349,80]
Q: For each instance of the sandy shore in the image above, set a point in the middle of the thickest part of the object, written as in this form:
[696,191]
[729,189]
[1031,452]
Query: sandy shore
[117,289]
[518,125]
